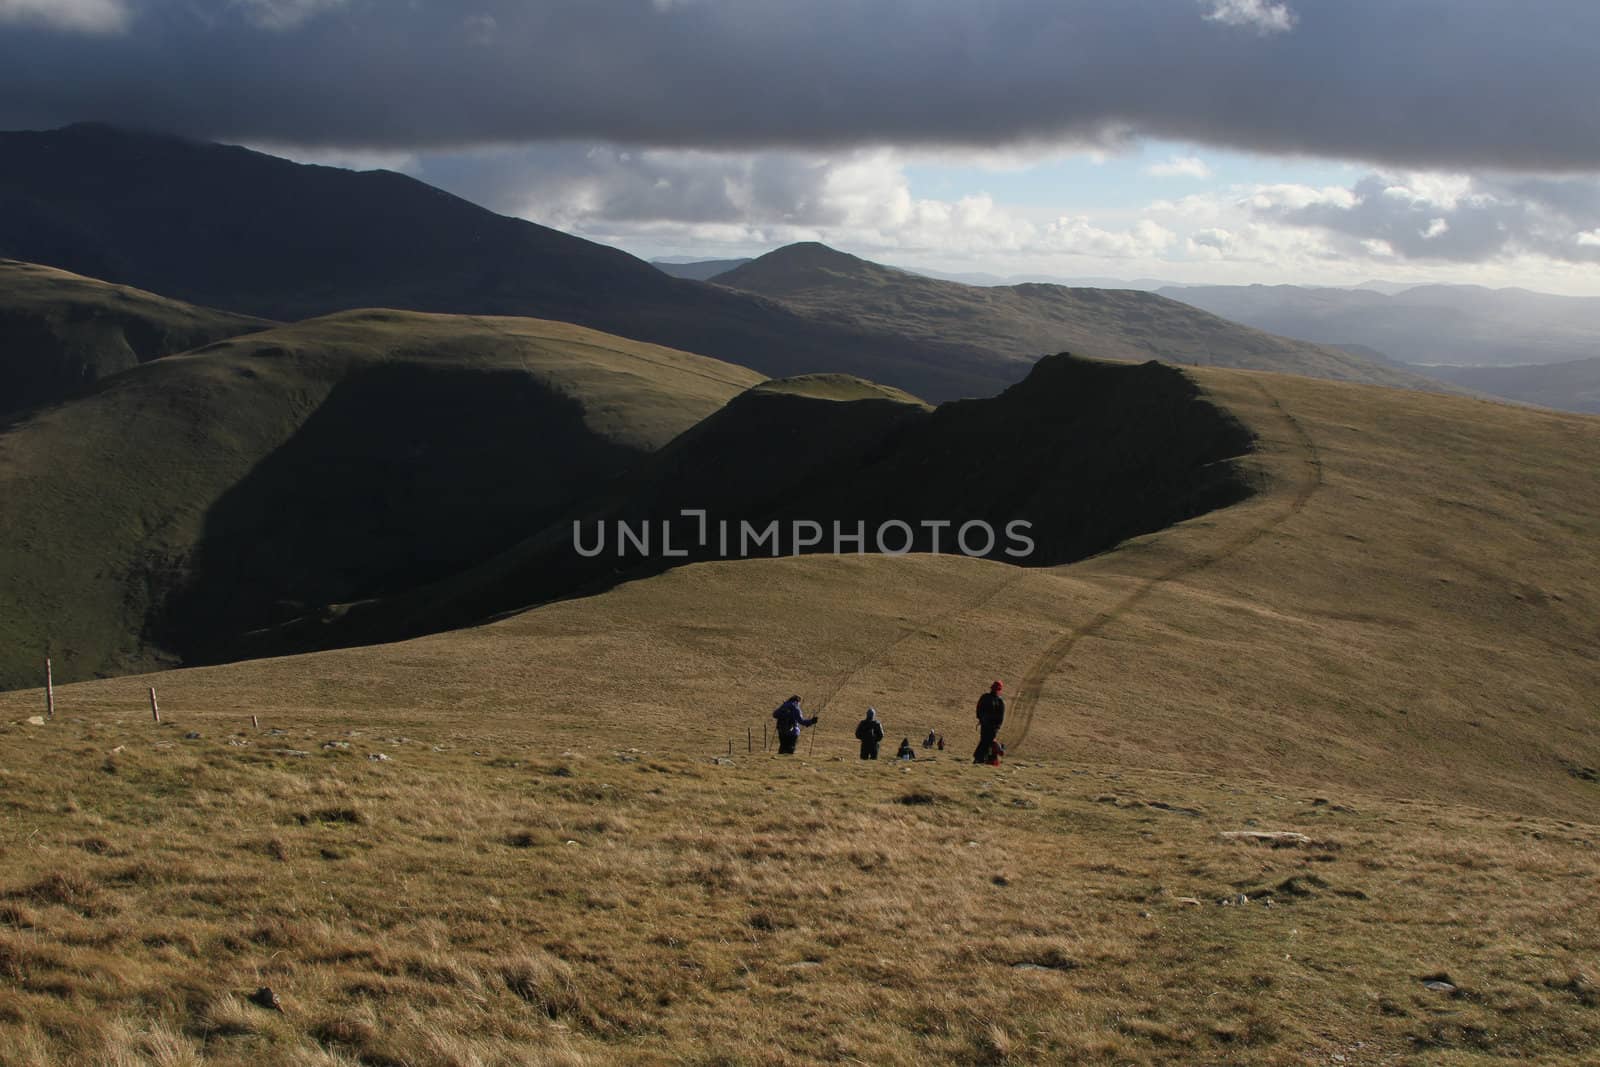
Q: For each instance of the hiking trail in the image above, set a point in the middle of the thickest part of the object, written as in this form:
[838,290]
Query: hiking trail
[1055,654]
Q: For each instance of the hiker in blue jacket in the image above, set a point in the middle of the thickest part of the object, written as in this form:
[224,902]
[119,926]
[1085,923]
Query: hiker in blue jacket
[790,719]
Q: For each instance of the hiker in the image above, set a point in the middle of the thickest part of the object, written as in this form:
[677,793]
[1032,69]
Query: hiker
[940,743]
[927,742]
[906,751]
[869,732]
[991,713]
[790,719]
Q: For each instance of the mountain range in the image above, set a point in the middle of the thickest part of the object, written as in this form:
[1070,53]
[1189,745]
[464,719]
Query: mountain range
[1021,321]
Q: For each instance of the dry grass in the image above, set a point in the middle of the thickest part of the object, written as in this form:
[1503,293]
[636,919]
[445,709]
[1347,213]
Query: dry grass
[488,902]
[1389,651]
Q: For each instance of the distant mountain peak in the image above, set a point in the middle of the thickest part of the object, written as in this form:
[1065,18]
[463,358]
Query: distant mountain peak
[802,265]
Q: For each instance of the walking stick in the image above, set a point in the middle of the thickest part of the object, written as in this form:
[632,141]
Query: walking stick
[813,749]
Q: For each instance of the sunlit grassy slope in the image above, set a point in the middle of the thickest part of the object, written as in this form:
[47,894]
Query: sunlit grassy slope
[1389,651]
[191,499]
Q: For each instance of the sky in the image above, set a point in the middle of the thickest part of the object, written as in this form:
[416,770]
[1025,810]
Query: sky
[1220,141]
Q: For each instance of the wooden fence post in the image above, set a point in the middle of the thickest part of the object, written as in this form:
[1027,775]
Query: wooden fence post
[49,690]
[254,725]
[749,740]
[155,709]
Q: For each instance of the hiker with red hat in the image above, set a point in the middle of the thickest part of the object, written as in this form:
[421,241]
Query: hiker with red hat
[991,713]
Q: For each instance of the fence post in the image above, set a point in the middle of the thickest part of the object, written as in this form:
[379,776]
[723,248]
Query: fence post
[49,690]
[155,709]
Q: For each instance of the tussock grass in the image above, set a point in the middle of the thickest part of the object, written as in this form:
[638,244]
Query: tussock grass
[667,909]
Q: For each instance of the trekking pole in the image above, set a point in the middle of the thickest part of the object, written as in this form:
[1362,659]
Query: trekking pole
[813,749]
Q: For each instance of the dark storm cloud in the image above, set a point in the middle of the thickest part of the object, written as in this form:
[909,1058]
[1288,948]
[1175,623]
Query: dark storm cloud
[1419,82]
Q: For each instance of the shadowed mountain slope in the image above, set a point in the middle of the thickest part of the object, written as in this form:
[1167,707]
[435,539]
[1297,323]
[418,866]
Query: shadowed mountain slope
[1085,453]
[1022,321]
[60,332]
[228,227]
[189,500]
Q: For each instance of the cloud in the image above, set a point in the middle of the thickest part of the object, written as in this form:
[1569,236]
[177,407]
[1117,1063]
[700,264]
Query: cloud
[81,16]
[1421,85]
[1263,16]
[284,14]
[1445,217]
[1180,167]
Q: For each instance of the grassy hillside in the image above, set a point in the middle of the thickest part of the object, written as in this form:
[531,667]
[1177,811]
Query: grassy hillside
[1389,651]
[1573,386]
[1023,321]
[228,227]
[60,332]
[185,502]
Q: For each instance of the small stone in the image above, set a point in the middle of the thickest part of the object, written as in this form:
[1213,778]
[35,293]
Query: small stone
[378,757]
[1189,902]
[335,744]
[35,720]
[192,735]
[1439,987]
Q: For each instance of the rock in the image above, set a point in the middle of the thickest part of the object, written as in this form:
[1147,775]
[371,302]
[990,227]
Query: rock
[192,735]
[335,744]
[720,761]
[266,998]
[377,757]
[1189,902]
[1438,986]
[35,720]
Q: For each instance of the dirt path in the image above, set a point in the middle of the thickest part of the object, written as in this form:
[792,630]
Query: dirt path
[1050,661]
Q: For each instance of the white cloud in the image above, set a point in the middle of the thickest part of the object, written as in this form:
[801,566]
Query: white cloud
[285,14]
[82,16]
[1179,167]
[1078,236]
[1264,16]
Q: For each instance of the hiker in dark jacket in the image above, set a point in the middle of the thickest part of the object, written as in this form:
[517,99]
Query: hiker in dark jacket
[991,713]
[906,751]
[790,719]
[869,732]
